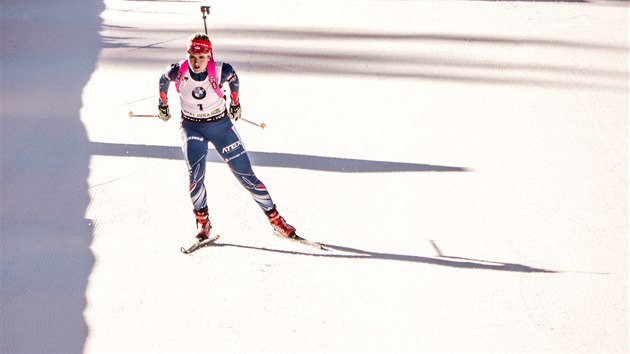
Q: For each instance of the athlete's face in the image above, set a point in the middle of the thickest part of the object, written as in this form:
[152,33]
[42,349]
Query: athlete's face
[198,62]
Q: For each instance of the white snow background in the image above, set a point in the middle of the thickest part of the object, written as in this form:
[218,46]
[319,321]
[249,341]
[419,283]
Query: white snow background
[465,161]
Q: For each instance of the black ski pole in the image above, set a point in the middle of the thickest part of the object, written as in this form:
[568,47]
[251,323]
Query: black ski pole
[205,10]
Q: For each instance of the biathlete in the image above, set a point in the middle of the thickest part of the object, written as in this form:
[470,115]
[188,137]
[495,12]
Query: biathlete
[205,119]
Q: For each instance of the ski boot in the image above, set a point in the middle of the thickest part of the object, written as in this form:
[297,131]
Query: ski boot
[203,224]
[279,224]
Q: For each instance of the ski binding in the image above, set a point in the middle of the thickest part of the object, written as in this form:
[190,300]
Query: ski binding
[199,244]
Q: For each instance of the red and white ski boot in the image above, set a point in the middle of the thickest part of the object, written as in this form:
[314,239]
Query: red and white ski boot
[203,225]
[279,224]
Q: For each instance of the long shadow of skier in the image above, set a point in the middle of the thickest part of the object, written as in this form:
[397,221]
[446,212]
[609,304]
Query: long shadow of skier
[443,261]
[48,55]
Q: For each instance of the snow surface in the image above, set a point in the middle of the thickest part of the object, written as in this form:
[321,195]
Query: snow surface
[466,162]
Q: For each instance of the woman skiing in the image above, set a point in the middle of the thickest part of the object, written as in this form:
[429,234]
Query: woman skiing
[205,119]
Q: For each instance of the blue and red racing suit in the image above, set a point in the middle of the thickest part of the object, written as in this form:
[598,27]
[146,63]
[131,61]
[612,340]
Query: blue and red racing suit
[205,119]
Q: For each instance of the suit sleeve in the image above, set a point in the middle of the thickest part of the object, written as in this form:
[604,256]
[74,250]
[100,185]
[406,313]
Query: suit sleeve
[228,74]
[169,75]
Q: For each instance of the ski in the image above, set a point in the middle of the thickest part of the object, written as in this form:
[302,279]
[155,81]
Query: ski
[199,244]
[304,241]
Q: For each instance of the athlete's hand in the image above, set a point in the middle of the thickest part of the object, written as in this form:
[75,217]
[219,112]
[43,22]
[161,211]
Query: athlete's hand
[163,113]
[235,111]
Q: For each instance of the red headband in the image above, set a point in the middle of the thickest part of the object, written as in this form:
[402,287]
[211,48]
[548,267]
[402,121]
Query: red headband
[199,46]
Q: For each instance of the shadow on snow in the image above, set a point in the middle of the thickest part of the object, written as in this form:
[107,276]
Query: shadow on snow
[443,261]
[48,56]
[272,159]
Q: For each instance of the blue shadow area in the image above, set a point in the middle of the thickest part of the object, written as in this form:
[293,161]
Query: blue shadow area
[49,50]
